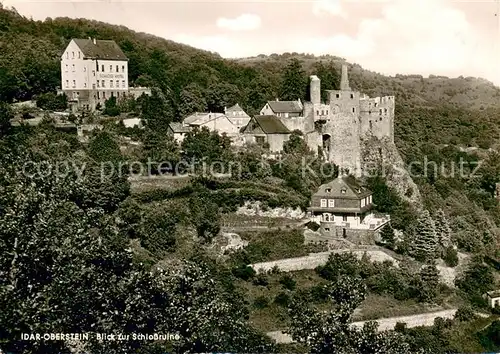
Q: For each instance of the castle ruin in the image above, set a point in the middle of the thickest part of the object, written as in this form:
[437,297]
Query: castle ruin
[338,126]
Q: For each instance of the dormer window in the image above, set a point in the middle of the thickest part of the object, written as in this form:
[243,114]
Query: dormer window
[343,191]
[328,190]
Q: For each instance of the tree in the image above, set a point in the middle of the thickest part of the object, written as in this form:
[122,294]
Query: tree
[204,214]
[443,230]
[192,99]
[161,150]
[430,280]
[296,144]
[221,95]
[52,102]
[387,236]
[157,231]
[6,115]
[477,279]
[331,332]
[329,76]
[104,148]
[205,146]
[425,242]
[158,110]
[111,108]
[294,82]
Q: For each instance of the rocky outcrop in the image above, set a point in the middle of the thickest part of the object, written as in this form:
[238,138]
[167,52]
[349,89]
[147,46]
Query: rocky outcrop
[256,209]
[383,155]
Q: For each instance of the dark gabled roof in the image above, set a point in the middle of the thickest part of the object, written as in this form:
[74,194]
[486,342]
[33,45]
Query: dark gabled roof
[179,128]
[271,125]
[353,189]
[102,49]
[285,106]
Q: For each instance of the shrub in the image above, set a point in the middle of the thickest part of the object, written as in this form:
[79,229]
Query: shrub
[244,272]
[261,302]
[282,299]
[261,280]
[450,257]
[288,282]
[464,314]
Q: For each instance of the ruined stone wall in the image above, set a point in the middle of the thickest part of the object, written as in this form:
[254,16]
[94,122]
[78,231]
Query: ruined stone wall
[377,117]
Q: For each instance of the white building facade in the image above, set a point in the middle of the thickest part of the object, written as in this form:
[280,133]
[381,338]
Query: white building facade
[92,71]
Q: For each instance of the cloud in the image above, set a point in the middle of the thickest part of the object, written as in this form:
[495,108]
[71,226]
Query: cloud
[244,22]
[328,7]
[415,36]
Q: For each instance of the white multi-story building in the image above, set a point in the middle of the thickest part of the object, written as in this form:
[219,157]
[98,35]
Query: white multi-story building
[92,71]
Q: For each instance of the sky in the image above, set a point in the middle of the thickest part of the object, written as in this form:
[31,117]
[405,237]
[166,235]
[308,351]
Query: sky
[440,37]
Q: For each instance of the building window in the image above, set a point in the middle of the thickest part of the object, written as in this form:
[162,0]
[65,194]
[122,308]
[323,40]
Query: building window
[343,191]
[98,95]
[67,55]
[331,203]
[380,112]
[352,95]
[93,72]
[66,67]
[338,95]
[363,202]
[103,83]
[123,83]
[123,68]
[117,70]
[385,110]
[327,229]
[74,83]
[110,83]
[67,83]
[260,140]
[84,69]
[344,218]
[104,95]
[323,203]
[353,110]
[97,83]
[97,66]
[111,68]
[73,55]
[322,112]
[118,94]
[73,66]
[117,83]
[370,200]
[328,190]
[102,68]
[78,55]
[85,84]
[326,112]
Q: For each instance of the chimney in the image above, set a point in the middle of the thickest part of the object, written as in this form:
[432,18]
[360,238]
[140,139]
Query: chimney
[95,42]
[344,81]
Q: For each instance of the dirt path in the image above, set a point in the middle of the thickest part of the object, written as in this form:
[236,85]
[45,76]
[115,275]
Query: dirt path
[424,319]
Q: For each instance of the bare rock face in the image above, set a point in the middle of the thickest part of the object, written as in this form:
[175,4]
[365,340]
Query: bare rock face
[384,156]
[234,242]
[256,209]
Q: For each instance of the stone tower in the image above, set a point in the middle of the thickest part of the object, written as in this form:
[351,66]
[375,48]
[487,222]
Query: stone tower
[344,81]
[315,88]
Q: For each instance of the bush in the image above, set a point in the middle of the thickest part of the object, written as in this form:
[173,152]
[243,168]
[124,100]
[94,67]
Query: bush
[464,314]
[288,282]
[282,299]
[244,272]
[261,280]
[450,257]
[261,302]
